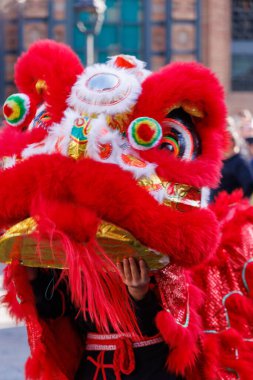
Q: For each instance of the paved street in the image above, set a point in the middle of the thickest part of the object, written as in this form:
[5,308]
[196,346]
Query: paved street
[13,345]
[13,352]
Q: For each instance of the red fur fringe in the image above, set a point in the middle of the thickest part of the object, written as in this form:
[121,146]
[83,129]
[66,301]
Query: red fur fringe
[156,226]
[13,141]
[95,282]
[93,278]
[182,340]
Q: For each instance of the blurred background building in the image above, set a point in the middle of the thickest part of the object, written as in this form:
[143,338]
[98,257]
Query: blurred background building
[218,33]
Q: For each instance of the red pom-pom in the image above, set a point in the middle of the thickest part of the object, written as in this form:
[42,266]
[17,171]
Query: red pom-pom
[145,132]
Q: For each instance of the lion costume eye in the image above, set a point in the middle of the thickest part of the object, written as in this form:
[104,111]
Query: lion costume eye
[180,137]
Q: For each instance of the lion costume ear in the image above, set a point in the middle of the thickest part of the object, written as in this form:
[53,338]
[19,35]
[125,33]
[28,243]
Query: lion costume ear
[46,73]
[189,93]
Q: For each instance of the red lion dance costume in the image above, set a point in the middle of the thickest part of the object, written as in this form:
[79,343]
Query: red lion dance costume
[116,150]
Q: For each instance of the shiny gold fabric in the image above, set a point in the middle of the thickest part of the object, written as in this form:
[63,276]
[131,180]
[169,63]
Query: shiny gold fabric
[20,243]
[79,137]
[178,196]
[119,243]
[77,150]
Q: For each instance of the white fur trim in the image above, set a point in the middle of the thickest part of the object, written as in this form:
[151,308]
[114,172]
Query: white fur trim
[57,139]
[205,197]
[8,162]
[138,71]
[115,100]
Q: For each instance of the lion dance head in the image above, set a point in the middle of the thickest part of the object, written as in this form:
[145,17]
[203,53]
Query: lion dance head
[106,161]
